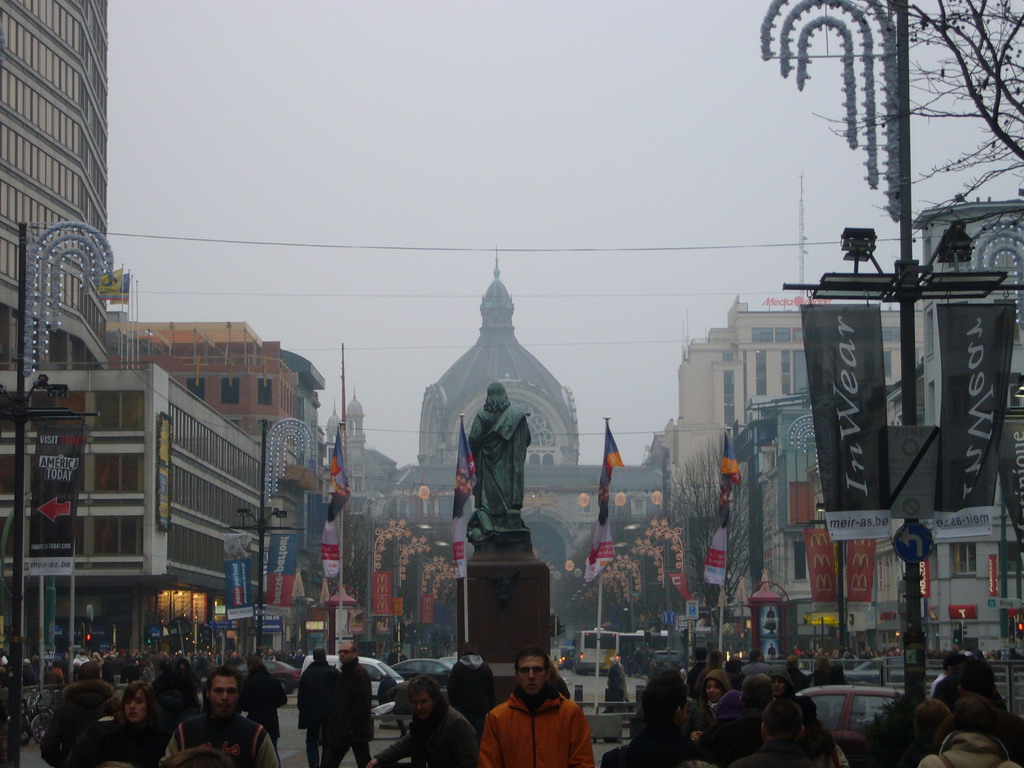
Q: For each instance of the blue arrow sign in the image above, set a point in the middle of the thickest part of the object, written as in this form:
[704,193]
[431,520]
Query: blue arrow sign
[912,542]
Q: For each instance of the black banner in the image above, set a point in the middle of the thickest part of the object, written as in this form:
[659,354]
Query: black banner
[1011,473]
[846,376]
[56,478]
[975,344]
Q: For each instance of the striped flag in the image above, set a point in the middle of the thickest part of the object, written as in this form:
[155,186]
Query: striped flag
[465,480]
[602,550]
[714,560]
[329,547]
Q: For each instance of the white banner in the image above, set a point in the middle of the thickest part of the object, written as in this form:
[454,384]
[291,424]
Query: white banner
[969,521]
[859,524]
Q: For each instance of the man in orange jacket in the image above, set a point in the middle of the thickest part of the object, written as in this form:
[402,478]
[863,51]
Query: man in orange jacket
[536,727]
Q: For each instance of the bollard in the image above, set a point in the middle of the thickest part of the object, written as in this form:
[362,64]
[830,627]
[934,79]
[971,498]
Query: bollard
[638,692]
[577,694]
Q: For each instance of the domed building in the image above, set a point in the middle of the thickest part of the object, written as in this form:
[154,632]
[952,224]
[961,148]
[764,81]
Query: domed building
[498,356]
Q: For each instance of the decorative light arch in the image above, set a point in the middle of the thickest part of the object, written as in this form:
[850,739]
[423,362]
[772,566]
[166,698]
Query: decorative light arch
[870,20]
[84,247]
[294,431]
[999,245]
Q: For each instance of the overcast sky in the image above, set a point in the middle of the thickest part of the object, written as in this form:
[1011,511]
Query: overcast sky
[455,129]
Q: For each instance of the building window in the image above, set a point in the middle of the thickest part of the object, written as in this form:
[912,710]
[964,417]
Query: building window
[229,390]
[762,334]
[799,560]
[799,371]
[787,372]
[728,357]
[801,503]
[784,334]
[760,372]
[196,386]
[120,410]
[890,333]
[729,392]
[965,559]
[117,535]
[265,391]
[118,472]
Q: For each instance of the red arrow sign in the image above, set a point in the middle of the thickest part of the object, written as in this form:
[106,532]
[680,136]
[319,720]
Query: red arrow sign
[54,509]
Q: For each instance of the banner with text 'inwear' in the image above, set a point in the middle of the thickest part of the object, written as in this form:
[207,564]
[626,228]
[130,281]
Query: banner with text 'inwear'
[975,343]
[846,378]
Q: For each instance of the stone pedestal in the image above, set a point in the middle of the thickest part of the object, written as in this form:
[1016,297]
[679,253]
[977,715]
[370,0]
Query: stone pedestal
[509,608]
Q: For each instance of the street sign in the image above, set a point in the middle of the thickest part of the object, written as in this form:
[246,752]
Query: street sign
[1005,602]
[680,622]
[912,542]
[692,610]
[910,446]
[668,618]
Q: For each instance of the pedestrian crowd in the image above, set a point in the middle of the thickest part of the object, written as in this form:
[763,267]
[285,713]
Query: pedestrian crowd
[189,714]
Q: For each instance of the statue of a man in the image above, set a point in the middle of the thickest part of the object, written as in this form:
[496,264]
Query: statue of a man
[499,439]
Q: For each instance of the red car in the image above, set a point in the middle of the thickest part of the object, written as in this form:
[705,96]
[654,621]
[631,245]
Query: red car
[285,673]
[845,710]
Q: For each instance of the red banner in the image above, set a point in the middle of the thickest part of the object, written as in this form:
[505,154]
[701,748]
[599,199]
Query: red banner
[993,575]
[821,565]
[382,593]
[963,612]
[427,609]
[860,570]
[679,582]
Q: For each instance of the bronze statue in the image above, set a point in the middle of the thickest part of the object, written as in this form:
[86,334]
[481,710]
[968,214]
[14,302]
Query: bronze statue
[499,439]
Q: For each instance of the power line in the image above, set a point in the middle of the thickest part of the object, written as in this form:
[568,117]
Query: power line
[487,250]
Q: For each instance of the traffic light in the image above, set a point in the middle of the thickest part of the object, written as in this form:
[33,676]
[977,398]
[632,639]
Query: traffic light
[958,636]
[1020,629]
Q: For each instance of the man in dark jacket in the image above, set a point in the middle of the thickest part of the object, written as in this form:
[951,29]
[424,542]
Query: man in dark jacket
[82,705]
[661,743]
[757,665]
[316,691]
[701,661]
[471,688]
[438,735]
[742,736]
[782,726]
[350,724]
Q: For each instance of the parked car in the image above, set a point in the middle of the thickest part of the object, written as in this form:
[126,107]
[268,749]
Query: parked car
[438,669]
[845,710]
[885,670]
[377,670]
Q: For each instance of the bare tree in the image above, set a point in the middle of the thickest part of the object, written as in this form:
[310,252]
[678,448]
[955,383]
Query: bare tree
[973,70]
[693,505]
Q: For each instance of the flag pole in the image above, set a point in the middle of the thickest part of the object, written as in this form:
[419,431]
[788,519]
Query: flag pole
[597,656]
[721,615]
[465,578]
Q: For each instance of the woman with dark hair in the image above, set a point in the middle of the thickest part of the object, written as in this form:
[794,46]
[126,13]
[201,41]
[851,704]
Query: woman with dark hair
[261,696]
[133,736]
[716,684]
[822,665]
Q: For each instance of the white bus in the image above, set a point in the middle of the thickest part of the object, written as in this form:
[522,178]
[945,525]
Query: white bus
[589,657]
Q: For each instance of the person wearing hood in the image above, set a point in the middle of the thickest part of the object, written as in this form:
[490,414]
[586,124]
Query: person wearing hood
[132,736]
[83,704]
[783,688]
[535,726]
[714,687]
[971,743]
[471,688]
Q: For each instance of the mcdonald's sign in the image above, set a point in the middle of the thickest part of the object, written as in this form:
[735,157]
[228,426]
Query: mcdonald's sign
[382,593]
[860,570]
[821,565]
